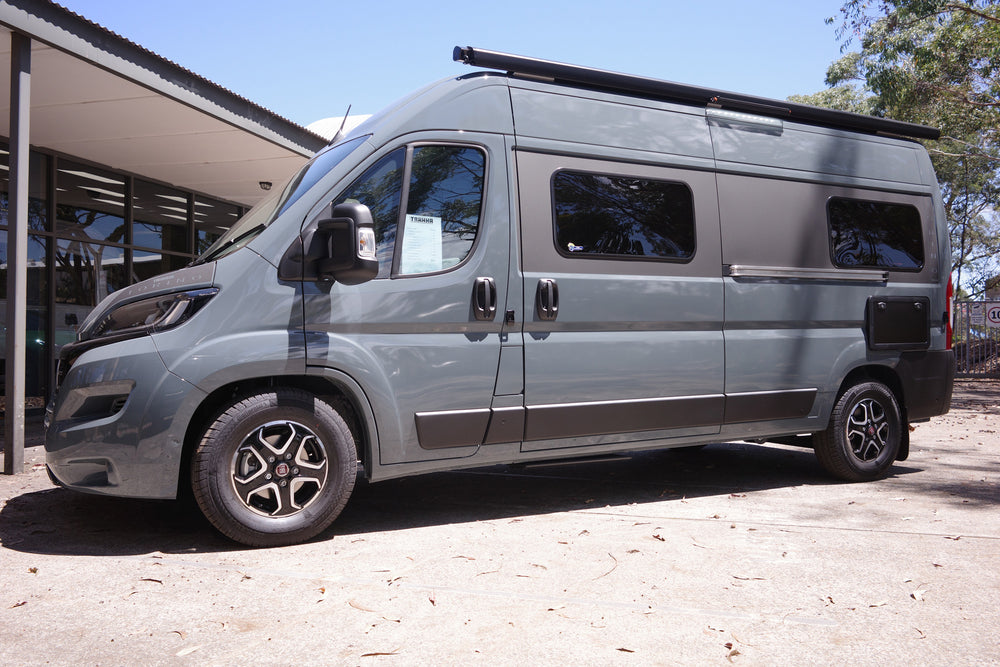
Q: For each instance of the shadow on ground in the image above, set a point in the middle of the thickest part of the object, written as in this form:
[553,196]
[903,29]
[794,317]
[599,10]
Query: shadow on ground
[57,521]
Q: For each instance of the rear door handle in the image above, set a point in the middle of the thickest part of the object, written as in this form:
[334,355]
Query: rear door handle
[547,299]
[484,299]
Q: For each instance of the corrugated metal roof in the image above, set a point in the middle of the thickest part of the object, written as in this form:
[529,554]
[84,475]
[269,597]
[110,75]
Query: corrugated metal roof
[174,64]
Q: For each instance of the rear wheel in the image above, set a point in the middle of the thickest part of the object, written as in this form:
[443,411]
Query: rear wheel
[274,468]
[864,434]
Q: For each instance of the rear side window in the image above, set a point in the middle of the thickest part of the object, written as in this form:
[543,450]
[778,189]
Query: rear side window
[868,234]
[619,216]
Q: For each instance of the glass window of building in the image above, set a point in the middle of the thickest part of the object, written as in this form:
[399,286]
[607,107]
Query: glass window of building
[85,273]
[85,243]
[160,223]
[211,219]
[37,348]
[90,203]
[159,217]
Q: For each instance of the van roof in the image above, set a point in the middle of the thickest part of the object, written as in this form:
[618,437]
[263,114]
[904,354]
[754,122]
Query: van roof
[588,77]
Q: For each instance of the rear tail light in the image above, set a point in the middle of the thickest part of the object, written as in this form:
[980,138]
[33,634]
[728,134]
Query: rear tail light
[949,313]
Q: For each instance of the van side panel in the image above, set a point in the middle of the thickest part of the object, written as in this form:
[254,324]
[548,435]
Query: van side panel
[794,320]
[795,150]
[609,126]
[635,350]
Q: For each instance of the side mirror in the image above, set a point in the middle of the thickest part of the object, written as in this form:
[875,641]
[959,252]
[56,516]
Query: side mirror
[350,237]
[341,248]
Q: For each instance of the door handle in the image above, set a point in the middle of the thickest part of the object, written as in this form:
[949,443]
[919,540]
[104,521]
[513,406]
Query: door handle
[547,299]
[484,299]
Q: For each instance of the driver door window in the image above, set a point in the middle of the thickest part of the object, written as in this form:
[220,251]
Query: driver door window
[443,202]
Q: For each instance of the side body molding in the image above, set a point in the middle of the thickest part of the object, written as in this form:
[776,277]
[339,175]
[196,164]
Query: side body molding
[463,428]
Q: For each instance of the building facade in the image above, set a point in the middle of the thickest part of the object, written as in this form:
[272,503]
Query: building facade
[92,231]
[115,165]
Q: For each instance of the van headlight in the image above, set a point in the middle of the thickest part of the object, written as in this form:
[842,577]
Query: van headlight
[147,316]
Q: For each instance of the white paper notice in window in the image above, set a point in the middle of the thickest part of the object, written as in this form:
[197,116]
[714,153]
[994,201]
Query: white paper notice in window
[421,244]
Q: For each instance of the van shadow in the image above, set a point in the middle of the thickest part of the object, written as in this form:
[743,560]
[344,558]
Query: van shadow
[60,522]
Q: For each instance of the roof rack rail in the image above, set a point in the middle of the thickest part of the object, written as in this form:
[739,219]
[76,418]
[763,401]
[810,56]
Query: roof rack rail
[678,92]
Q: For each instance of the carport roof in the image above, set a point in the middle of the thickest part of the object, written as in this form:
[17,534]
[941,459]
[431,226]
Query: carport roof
[98,96]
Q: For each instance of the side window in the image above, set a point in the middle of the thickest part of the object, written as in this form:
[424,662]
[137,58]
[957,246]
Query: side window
[443,198]
[380,189]
[443,205]
[867,234]
[619,216]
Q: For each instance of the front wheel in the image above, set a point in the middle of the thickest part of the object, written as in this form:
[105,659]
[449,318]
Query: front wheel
[274,468]
[864,434]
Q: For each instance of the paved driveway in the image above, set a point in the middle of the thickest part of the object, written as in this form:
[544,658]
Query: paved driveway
[738,553]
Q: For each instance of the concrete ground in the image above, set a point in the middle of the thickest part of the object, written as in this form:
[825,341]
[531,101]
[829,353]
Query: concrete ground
[737,554]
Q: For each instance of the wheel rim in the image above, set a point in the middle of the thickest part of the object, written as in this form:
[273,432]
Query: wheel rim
[868,429]
[279,469]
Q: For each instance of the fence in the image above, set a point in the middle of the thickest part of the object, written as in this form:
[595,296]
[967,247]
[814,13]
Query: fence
[977,339]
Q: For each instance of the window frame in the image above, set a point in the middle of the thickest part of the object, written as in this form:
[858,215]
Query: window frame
[615,257]
[404,202]
[409,147]
[877,267]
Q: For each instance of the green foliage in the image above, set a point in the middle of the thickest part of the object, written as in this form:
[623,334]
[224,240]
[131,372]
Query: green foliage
[935,62]
[845,97]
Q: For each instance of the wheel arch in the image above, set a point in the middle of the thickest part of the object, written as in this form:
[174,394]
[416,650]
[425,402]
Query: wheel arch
[878,373]
[887,376]
[340,391]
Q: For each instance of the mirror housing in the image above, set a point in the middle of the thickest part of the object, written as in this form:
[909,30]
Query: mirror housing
[341,248]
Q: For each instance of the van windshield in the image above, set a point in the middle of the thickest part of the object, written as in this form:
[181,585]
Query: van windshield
[267,211]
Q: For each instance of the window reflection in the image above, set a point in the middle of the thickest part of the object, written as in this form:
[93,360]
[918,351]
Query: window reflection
[36,318]
[79,251]
[36,357]
[85,273]
[379,188]
[211,219]
[443,203]
[875,234]
[598,214]
[159,217]
[147,265]
[90,203]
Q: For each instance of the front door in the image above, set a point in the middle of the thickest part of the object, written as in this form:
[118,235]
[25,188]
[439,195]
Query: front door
[423,338]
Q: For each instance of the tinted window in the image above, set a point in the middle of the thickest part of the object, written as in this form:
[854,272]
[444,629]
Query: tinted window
[318,167]
[875,234]
[622,216]
[268,209]
[380,188]
[442,207]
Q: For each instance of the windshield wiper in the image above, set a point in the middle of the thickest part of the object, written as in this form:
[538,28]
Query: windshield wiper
[245,236]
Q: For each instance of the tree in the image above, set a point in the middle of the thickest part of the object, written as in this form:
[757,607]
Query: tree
[935,62]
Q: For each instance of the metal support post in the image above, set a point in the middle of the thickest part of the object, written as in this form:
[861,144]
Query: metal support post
[17,253]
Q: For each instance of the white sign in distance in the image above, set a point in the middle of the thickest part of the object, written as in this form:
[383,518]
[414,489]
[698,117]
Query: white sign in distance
[993,315]
[977,316]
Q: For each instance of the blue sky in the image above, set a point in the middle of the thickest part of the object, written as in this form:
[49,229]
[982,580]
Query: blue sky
[309,59]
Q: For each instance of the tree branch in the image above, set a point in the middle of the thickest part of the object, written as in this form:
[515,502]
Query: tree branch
[968,9]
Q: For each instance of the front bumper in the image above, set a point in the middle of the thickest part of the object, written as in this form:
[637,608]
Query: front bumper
[117,424]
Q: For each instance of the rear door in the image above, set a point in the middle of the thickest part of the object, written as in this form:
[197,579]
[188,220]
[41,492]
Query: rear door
[622,301]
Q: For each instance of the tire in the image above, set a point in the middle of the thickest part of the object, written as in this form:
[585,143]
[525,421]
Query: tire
[274,468]
[864,434]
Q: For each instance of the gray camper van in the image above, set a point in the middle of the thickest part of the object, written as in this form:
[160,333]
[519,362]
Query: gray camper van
[538,262]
